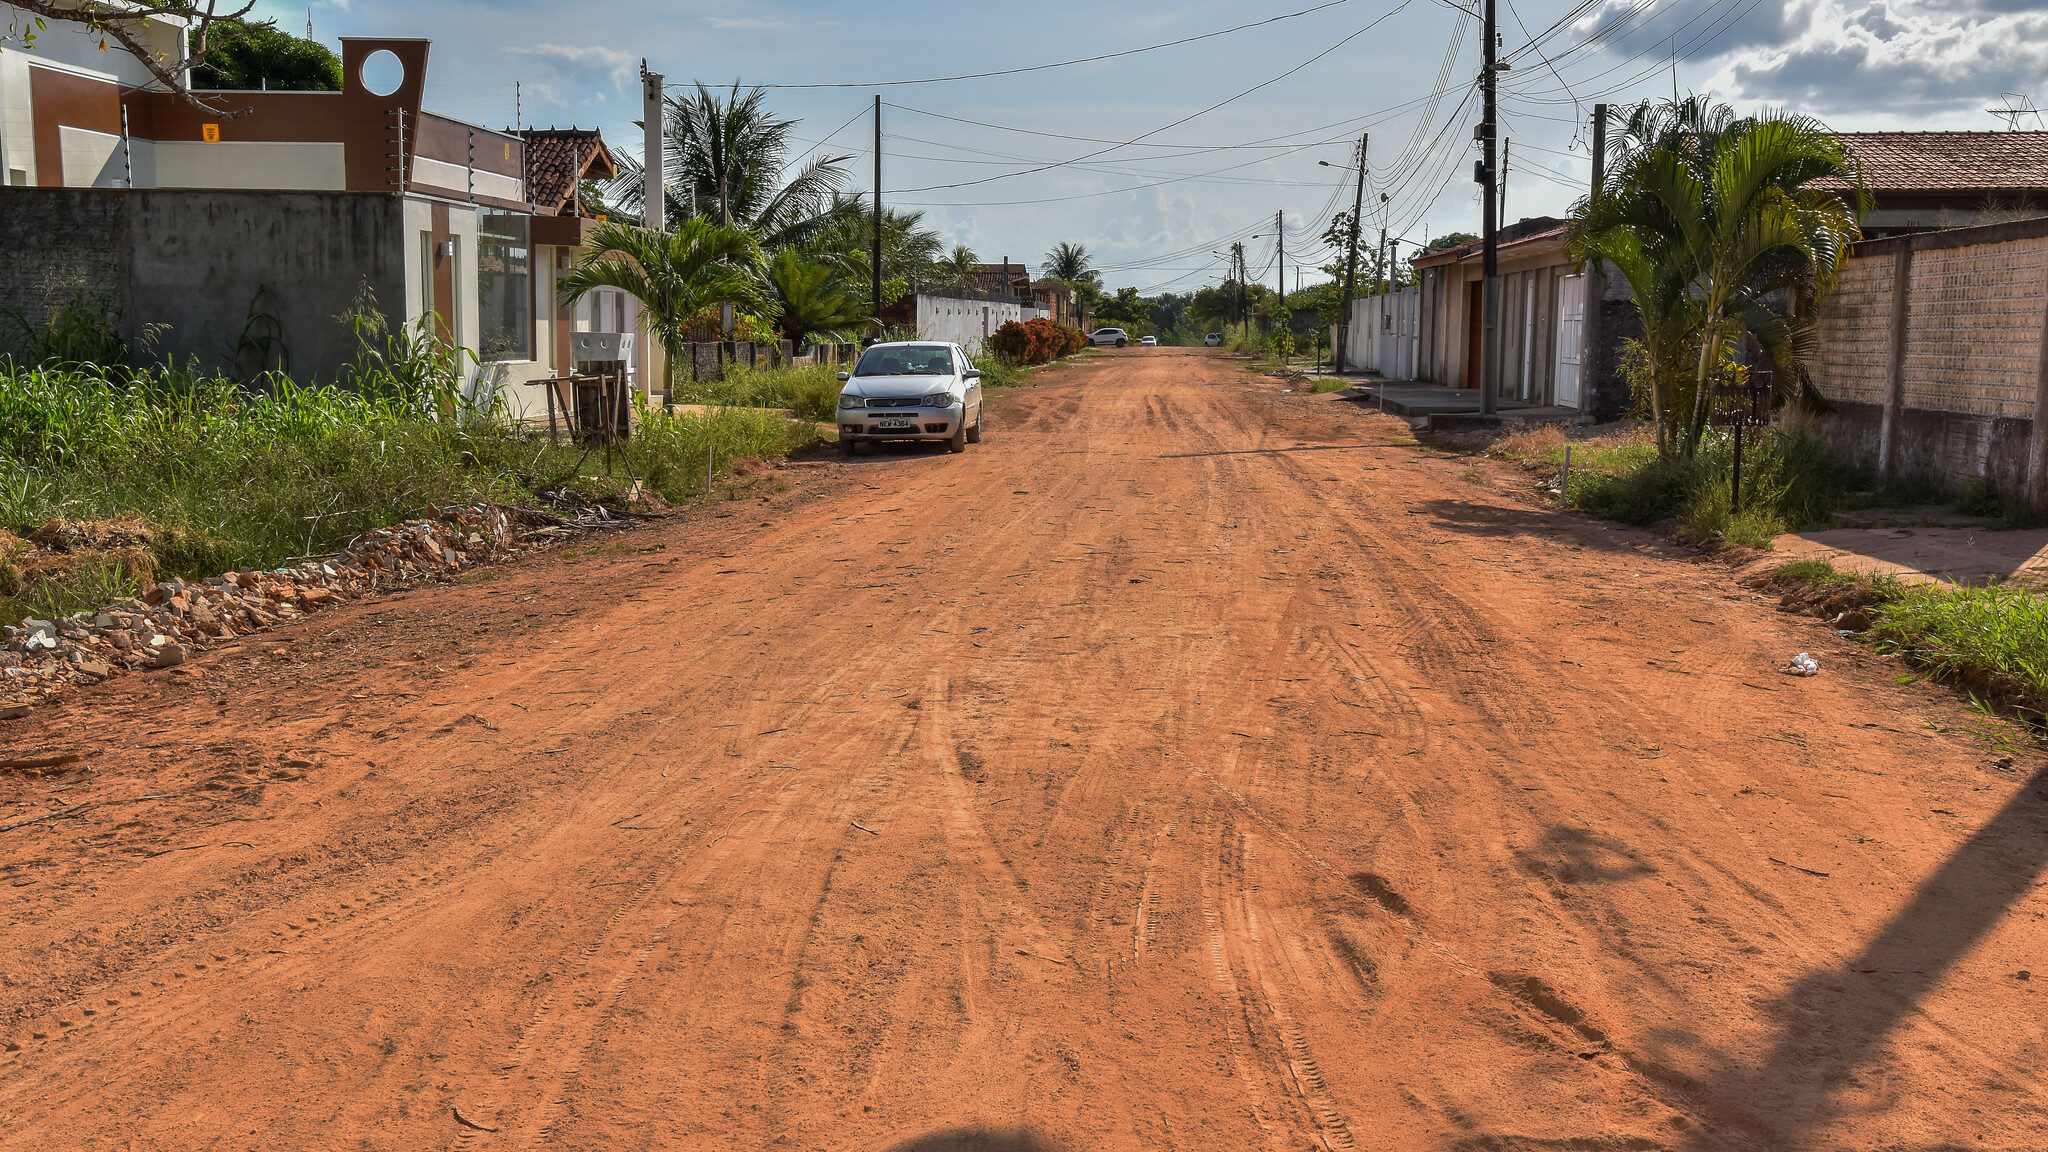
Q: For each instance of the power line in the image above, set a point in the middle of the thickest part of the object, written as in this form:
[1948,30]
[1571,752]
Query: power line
[1183,120]
[1064,63]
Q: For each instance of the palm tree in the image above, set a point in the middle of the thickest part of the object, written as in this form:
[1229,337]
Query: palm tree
[812,299]
[960,265]
[676,275]
[727,157]
[1718,226]
[1071,264]
[845,235]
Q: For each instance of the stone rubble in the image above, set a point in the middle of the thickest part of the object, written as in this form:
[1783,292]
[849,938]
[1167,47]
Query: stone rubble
[172,620]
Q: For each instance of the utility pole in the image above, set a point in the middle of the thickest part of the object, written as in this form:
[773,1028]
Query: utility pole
[654,189]
[1506,148]
[1280,265]
[1489,285]
[1351,257]
[875,255]
[1594,284]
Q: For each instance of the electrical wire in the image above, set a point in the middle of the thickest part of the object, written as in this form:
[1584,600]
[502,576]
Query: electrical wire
[1062,63]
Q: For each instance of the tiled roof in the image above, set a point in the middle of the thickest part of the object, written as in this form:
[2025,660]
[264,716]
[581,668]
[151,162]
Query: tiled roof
[1951,161]
[553,153]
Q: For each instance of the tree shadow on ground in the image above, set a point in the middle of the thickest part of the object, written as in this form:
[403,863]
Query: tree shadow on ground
[1835,1021]
[980,1140]
[1499,521]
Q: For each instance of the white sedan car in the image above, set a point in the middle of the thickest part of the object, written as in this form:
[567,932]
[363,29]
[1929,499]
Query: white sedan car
[910,390]
[1148,341]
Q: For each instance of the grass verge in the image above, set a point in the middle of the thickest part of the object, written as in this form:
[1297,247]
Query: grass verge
[220,476]
[1991,640]
[1790,483]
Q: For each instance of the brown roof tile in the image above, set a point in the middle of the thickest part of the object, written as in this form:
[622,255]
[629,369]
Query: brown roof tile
[1951,161]
[552,154]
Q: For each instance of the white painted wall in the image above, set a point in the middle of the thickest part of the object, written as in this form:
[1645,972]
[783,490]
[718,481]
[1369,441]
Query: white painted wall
[91,159]
[456,178]
[963,322]
[1385,334]
[17,121]
[258,164]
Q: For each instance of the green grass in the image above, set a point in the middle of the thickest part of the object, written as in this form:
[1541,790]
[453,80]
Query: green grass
[1326,386]
[241,476]
[1994,637]
[1991,639]
[1790,483]
[811,390]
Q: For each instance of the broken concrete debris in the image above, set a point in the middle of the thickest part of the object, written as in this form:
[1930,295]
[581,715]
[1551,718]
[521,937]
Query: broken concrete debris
[171,620]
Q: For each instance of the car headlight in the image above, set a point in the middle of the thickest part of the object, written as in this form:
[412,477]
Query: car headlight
[847,400]
[939,400]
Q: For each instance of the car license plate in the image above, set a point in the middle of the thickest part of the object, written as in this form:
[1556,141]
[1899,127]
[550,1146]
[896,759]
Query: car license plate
[896,422]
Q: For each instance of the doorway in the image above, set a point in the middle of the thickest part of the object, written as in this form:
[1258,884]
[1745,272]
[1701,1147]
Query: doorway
[1475,324]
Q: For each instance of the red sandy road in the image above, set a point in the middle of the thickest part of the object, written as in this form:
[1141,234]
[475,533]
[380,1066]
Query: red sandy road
[1190,765]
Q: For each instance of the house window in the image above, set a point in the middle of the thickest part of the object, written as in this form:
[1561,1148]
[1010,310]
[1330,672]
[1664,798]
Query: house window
[504,287]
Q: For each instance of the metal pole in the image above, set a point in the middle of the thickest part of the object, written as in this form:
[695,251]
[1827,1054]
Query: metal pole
[1351,257]
[876,254]
[1489,290]
[1736,503]
[127,152]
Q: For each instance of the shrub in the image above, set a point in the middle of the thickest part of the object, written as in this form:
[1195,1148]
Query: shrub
[811,390]
[1036,341]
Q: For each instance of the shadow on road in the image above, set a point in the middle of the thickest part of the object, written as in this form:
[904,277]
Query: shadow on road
[978,1140]
[1279,451]
[1833,1021]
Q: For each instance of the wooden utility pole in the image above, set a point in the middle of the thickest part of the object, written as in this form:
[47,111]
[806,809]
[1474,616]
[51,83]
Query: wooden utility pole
[1489,289]
[875,255]
[1280,264]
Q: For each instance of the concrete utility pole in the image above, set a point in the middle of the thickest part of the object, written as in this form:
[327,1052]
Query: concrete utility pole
[1489,285]
[654,187]
[875,255]
[1280,265]
[1351,257]
[1595,283]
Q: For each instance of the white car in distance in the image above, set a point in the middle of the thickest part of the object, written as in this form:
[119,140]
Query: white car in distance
[1102,336]
[910,390]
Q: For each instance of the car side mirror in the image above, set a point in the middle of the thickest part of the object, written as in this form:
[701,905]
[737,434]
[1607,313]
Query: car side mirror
[843,377]
[974,373]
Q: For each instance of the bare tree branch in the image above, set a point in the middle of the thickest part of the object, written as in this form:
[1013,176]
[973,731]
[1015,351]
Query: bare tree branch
[119,20]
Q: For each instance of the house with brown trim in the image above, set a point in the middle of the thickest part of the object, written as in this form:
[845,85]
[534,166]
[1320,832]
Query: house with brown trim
[273,211]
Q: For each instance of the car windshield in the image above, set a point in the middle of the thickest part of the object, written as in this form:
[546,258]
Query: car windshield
[910,361]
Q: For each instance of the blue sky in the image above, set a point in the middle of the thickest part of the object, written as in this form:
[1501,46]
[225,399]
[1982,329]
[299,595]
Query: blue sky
[1153,213]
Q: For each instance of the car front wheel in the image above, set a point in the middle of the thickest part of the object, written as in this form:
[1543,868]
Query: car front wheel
[974,433]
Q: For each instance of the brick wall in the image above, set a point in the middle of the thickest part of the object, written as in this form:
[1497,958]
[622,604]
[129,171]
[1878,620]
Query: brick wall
[1932,355]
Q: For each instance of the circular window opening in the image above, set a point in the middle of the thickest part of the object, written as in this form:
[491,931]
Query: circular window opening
[382,73]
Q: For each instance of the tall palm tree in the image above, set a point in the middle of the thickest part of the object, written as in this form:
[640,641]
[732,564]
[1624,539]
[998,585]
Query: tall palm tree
[727,158]
[1723,227]
[676,275]
[812,299]
[1071,264]
[960,265]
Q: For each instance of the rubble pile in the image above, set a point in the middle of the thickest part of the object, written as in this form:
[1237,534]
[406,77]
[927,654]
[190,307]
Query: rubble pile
[173,619]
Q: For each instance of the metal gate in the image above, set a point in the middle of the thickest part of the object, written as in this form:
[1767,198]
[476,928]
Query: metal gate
[1571,339]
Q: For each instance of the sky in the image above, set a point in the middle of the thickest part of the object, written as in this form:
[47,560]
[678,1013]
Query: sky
[1158,160]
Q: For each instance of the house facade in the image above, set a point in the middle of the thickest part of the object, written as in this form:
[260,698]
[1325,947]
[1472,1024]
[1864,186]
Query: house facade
[281,212]
[1560,326]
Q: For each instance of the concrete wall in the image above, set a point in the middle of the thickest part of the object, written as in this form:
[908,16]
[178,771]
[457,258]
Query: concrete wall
[196,261]
[965,322]
[1933,353]
[1386,334]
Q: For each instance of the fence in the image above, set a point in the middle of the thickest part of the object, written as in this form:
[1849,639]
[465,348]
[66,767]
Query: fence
[1933,356]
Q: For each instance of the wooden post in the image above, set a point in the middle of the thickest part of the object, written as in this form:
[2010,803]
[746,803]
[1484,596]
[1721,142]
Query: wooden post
[1895,372]
[552,437]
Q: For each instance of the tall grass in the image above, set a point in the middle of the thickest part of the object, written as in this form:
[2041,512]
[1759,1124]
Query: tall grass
[251,476]
[811,390]
[1992,637]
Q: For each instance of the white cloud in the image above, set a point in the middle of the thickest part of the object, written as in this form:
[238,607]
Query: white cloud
[620,67]
[1899,61]
[745,24]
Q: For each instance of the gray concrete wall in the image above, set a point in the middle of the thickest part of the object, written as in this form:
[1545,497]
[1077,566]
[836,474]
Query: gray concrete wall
[59,244]
[193,262]
[200,259]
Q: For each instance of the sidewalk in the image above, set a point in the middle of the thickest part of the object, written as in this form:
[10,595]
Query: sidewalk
[1924,555]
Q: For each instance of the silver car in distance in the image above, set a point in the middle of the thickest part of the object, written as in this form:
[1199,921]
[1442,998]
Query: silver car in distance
[910,390]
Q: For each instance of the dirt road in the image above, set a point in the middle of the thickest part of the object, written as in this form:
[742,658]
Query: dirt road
[1191,765]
